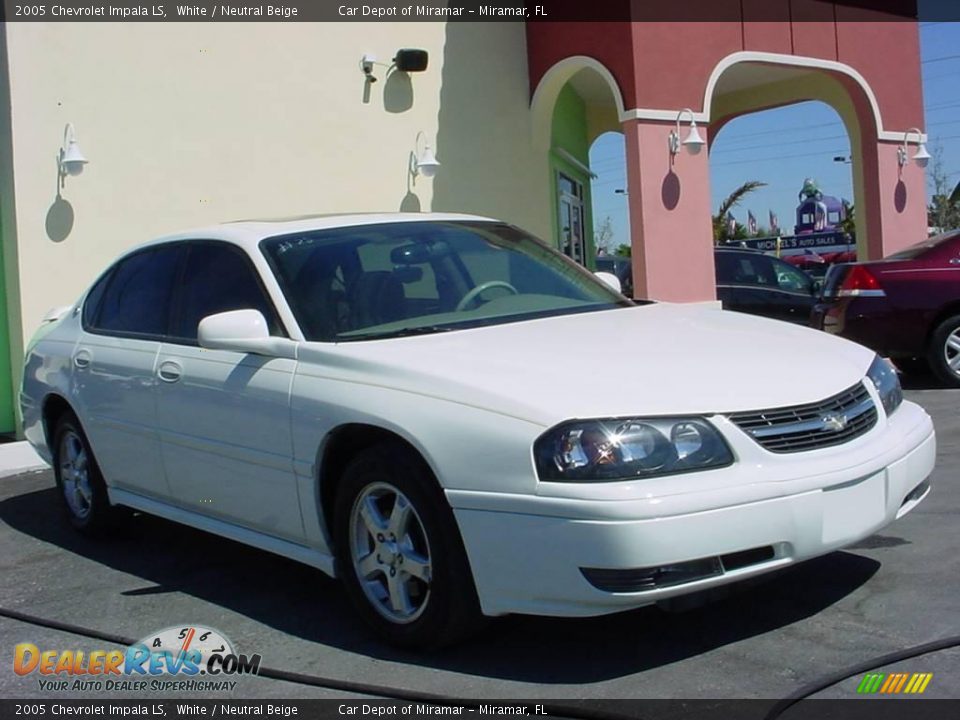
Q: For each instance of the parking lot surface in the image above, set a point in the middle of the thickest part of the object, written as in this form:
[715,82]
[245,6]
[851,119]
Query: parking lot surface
[894,590]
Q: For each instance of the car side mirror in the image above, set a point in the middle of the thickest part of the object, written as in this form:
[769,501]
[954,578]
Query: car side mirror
[816,287]
[243,331]
[610,279]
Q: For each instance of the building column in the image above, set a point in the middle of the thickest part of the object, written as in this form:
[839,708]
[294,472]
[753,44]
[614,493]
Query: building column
[894,204]
[670,219]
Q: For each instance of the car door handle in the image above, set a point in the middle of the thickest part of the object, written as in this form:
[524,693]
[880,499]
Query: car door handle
[169,371]
[82,359]
[955,261]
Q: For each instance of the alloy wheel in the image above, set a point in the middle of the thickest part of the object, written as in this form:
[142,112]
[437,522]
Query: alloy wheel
[951,351]
[390,553]
[75,474]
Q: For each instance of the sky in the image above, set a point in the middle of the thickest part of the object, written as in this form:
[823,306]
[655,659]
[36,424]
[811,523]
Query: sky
[781,147]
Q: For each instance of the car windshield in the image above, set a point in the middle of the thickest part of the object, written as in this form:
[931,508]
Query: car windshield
[395,279]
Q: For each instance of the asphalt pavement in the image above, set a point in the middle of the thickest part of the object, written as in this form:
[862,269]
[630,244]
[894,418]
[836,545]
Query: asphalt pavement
[897,589]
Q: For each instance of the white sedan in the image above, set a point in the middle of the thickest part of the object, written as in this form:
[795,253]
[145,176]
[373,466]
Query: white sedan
[420,405]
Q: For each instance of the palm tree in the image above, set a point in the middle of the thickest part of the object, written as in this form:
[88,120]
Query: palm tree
[730,202]
[849,223]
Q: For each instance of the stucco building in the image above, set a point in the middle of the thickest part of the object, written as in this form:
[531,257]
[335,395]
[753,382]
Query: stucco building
[187,124]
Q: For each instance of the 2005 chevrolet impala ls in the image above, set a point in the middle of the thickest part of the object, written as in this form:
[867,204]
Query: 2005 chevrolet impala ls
[409,402]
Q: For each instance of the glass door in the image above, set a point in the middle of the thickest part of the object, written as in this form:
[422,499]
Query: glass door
[570,204]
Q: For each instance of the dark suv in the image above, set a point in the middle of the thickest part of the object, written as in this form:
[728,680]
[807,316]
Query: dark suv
[906,306]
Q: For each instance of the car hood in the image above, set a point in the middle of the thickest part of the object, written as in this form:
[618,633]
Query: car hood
[660,359]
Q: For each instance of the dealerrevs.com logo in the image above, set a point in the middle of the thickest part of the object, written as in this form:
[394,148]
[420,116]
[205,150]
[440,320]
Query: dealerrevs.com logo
[180,658]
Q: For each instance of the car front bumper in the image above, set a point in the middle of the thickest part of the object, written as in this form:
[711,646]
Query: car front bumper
[529,554]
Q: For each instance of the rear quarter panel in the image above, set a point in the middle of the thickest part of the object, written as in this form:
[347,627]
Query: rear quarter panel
[47,371]
[917,294]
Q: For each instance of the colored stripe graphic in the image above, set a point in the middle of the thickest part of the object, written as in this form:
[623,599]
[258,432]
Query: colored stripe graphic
[889,683]
[927,677]
[894,683]
[870,683]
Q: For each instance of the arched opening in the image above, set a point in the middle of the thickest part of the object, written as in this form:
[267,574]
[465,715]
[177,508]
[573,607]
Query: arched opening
[742,87]
[801,155]
[576,101]
[611,221]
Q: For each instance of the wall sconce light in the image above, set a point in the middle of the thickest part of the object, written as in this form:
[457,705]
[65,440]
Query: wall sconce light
[70,161]
[411,60]
[692,142]
[423,163]
[921,157]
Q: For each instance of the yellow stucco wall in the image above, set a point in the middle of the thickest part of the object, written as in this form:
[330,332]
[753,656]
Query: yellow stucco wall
[193,124]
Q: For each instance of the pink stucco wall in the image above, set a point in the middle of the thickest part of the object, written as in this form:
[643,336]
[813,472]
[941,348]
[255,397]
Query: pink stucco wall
[663,66]
[669,215]
[667,64]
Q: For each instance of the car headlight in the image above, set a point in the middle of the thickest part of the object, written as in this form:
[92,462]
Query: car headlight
[885,380]
[628,449]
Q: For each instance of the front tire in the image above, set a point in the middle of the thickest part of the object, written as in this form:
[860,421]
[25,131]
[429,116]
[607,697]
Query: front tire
[399,552]
[944,352]
[82,489]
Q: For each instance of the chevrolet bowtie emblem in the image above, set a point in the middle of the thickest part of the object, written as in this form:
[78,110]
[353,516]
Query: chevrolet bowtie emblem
[836,423]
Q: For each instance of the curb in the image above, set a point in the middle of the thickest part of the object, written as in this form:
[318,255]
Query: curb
[19,457]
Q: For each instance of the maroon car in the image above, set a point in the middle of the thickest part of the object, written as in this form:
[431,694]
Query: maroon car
[906,306]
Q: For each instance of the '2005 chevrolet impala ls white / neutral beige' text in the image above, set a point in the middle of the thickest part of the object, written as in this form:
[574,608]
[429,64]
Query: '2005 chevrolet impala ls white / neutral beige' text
[408,402]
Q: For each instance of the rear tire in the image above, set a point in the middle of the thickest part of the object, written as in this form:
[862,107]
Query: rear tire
[79,480]
[399,552]
[944,351]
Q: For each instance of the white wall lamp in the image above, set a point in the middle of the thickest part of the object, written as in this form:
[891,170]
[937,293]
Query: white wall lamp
[921,157]
[692,142]
[423,163]
[70,161]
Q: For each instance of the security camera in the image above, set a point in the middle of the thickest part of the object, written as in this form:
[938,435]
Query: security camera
[366,64]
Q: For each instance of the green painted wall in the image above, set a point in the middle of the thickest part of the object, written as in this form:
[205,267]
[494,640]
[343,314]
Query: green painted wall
[8,421]
[569,132]
[9,290]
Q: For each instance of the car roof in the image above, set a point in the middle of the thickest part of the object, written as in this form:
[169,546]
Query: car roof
[248,233]
[733,248]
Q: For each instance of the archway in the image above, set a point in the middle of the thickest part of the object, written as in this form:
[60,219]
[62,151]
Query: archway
[576,101]
[781,148]
[890,199]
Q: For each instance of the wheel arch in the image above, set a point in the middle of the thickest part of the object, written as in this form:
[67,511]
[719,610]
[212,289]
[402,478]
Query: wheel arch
[949,310]
[54,407]
[339,447]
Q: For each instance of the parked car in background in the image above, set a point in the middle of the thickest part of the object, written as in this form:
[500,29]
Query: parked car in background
[747,281]
[816,265]
[752,282]
[906,306]
[620,266]
[389,398]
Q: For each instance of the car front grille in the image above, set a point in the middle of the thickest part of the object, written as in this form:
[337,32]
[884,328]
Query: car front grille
[833,421]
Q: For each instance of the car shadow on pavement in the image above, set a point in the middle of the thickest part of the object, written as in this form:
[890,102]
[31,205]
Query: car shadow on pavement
[164,557]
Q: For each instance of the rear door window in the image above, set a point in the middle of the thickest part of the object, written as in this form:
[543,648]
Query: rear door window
[136,297]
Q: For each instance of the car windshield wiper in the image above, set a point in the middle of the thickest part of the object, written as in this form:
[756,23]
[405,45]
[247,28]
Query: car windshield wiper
[399,332]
